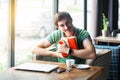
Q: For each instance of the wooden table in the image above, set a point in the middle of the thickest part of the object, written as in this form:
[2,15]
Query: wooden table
[107,39]
[74,74]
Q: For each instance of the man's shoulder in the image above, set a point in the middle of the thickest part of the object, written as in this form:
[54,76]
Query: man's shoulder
[81,31]
[82,34]
[56,31]
[54,36]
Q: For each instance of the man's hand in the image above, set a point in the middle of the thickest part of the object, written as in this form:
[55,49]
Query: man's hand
[60,55]
[62,47]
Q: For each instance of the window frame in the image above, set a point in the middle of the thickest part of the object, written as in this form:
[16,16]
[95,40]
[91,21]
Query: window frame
[12,26]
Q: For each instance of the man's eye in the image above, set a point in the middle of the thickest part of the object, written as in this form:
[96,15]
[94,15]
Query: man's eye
[62,25]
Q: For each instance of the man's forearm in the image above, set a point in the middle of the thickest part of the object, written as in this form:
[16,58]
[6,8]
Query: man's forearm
[44,52]
[84,53]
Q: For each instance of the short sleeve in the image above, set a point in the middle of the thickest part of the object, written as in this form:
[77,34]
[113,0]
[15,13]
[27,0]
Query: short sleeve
[54,36]
[83,34]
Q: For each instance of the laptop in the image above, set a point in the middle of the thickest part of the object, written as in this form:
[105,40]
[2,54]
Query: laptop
[37,67]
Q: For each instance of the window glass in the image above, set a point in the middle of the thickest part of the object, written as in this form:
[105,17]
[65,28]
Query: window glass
[119,16]
[89,10]
[76,10]
[3,33]
[34,21]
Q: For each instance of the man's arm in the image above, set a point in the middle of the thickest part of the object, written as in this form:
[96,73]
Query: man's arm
[41,49]
[88,52]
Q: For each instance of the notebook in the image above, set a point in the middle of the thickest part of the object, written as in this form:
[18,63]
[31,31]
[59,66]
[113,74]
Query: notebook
[37,67]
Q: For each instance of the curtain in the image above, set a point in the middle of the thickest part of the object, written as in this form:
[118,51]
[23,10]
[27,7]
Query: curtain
[110,9]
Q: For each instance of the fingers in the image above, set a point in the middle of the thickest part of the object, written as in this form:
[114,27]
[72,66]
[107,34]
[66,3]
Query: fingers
[61,43]
[65,41]
[59,55]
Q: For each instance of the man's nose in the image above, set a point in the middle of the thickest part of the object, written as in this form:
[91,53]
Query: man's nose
[66,27]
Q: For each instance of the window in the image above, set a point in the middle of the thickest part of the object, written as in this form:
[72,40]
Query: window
[4,24]
[76,9]
[33,22]
[119,16]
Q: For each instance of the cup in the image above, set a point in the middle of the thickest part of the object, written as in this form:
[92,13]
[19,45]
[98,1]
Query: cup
[70,63]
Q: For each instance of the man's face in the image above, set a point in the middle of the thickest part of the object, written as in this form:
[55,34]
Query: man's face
[65,25]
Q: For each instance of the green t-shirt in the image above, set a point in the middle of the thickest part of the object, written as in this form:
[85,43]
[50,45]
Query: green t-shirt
[81,34]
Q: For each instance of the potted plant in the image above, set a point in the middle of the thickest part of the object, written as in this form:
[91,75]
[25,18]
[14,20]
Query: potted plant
[105,25]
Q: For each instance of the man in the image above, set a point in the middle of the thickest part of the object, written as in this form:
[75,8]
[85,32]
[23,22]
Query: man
[63,22]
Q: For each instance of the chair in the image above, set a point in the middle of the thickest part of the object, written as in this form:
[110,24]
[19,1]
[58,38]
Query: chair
[114,62]
[102,60]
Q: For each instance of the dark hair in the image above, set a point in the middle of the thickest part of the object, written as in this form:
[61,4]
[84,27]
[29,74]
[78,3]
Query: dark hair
[61,15]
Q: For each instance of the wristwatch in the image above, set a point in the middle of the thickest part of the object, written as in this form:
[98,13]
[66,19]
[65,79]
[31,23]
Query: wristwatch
[70,51]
